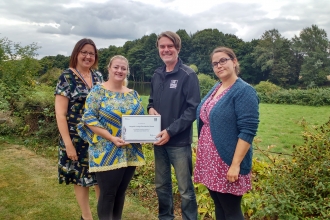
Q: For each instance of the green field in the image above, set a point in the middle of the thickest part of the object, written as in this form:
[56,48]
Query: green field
[279,126]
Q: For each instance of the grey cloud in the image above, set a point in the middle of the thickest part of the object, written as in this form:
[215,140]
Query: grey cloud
[63,29]
[110,20]
[114,22]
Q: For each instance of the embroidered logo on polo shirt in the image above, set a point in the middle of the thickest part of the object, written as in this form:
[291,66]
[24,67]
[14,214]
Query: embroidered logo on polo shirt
[174,84]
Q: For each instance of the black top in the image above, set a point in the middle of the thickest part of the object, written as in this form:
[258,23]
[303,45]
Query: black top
[175,96]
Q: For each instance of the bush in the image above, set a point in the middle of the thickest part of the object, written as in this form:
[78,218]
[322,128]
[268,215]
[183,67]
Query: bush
[11,125]
[37,109]
[270,93]
[205,83]
[4,104]
[50,78]
[298,187]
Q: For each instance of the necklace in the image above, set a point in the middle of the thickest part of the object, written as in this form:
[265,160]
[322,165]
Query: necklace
[83,78]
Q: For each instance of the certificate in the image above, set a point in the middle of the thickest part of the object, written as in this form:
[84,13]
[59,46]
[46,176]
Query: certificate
[140,128]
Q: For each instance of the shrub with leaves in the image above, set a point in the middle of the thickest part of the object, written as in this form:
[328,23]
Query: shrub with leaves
[270,93]
[4,104]
[265,89]
[50,78]
[36,107]
[205,83]
[298,187]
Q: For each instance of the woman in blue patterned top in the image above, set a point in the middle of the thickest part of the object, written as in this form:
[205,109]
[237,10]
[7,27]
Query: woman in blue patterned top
[72,88]
[110,157]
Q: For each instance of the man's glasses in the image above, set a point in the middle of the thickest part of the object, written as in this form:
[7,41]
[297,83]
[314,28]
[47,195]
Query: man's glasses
[85,53]
[222,61]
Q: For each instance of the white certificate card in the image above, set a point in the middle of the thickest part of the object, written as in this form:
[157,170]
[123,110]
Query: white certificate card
[140,128]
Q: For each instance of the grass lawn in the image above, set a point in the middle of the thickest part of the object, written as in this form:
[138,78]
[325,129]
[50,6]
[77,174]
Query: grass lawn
[29,189]
[279,126]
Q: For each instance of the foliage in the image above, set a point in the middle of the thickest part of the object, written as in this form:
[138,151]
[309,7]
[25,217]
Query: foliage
[298,187]
[205,83]
[270,93]
[4,104]
[274,56]
[313,44]
[144,58]
[266,88]
[194,67]
[50,78]
[49,62]
[18,67]
[186,46]
[251,201]
[250,73]
[37,109]
[13,124]
[203,43]
[271,58]
[105,55]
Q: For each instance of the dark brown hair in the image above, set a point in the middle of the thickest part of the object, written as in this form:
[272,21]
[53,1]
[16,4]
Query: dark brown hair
[230,53]
[76,50]
[174,37]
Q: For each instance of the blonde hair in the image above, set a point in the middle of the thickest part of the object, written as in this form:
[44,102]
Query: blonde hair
[125,82]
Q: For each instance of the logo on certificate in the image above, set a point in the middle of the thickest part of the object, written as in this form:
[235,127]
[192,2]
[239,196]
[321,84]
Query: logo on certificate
[174,84]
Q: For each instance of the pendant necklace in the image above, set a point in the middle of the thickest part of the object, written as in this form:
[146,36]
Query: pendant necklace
[85,80]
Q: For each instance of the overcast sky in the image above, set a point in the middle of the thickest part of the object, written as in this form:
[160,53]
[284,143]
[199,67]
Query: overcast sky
[57,25]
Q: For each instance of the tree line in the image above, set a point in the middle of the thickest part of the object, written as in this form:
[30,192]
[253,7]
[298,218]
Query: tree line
[303,60]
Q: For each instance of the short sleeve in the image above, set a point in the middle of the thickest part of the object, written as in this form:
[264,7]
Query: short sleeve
[64,84]
[98,78]
[137,96]
[92,107]
[91,116]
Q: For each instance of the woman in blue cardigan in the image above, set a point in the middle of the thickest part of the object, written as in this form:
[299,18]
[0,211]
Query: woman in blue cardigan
[227,120]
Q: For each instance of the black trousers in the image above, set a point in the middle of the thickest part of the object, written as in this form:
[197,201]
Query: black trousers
[227,206]
[113,184]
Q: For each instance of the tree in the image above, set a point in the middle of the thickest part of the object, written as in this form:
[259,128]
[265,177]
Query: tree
[152,60]
[18,67]
[203,43]
[274,56]
[48,62]
[313,45]
[186,46]
[249,72]
[18,64]
[105,55]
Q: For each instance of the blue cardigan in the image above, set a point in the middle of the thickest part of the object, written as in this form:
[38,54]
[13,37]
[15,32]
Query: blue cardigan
[234,116]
